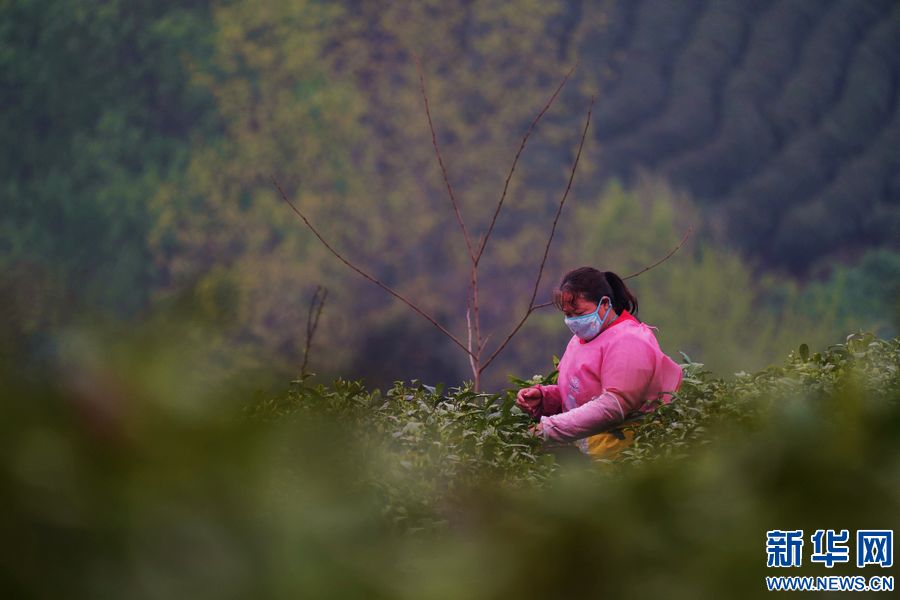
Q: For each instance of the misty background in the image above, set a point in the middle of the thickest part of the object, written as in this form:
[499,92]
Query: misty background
[139,138]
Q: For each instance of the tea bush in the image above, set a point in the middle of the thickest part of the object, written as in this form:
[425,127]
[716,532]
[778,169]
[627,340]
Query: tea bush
[864,370]
[810,444]
[429,448]
[111,481]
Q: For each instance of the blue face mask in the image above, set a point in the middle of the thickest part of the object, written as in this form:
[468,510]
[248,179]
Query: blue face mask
[588,326]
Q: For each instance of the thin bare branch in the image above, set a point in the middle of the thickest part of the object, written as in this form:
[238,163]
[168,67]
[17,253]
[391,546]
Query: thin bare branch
[684,238]
[380,284]
[469,329]
[562,202]
[486,338]
[512,170]
[440,159]
[316,304]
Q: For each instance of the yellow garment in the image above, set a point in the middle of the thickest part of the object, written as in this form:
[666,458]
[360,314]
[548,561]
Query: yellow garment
[606,445]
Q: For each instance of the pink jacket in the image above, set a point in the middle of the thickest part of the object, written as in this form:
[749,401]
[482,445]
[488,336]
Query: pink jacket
[620,373]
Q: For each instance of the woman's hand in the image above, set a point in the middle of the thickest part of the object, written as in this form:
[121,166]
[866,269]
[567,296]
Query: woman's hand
[529,399]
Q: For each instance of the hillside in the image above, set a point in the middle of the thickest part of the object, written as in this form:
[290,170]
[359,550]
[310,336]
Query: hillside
[139,138]
[783,115]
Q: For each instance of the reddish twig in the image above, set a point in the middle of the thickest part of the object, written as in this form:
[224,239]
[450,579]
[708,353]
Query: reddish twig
[512,170]
[537,283]
[684,238]
[440,158]
[380,284]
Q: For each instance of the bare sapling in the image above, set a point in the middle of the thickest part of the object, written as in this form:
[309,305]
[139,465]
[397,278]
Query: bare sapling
[475,347]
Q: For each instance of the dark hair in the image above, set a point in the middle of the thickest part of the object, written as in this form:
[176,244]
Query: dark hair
[592,285]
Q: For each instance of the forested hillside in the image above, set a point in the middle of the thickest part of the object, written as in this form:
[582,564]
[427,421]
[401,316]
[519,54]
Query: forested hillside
[784,115]
[138,139]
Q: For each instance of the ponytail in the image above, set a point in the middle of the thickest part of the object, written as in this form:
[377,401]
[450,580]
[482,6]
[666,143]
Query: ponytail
[593,285]
[622,297]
